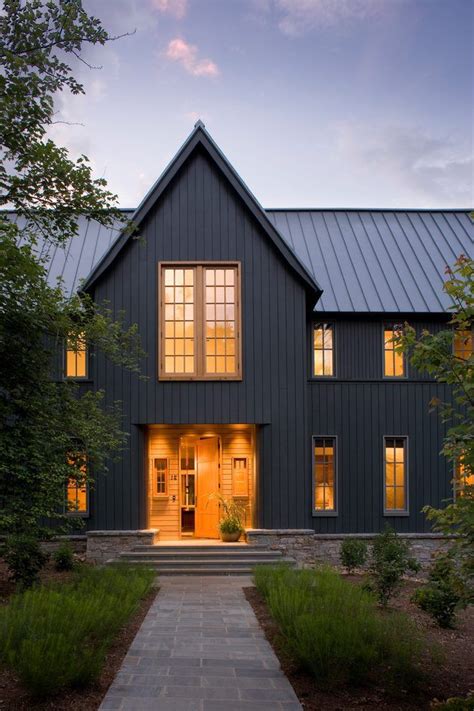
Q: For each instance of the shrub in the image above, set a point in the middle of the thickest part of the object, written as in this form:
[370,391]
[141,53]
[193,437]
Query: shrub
[444,593]
[333,629]
[353,553]
[455,703]
[24,559]
[390,560]
[57,636]
[64,557]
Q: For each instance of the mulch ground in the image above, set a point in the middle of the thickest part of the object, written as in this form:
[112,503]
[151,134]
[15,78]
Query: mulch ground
[13,696]
[453,675]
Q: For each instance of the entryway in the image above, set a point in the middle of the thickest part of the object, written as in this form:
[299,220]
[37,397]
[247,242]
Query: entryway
[190,468]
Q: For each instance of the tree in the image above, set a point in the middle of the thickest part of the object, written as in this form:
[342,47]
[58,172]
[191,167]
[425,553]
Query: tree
[49,428]
[448,357]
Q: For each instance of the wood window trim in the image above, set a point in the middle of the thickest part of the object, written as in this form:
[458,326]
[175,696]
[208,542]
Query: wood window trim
[165,494]
[199,337]
[390,325]
[329,325]
[406,510]
[325,513]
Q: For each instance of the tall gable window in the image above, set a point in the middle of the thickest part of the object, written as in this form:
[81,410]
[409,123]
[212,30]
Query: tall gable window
[75,365]
[395,475]
[324,475]
[323,350]
[394,362]
[200,321]
[463,344]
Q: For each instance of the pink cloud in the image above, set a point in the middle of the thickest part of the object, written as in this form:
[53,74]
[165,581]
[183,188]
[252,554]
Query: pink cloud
[177,8]
[186,54]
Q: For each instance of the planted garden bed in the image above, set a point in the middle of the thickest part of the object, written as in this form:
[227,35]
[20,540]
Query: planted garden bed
[405,664]
[61,644]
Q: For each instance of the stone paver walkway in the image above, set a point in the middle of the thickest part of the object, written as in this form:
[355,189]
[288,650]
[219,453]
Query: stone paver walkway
[200,647]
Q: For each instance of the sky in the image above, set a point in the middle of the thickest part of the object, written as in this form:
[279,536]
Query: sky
[316,103]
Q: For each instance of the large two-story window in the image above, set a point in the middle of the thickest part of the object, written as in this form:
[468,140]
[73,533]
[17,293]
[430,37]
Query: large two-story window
[200,321]
[324,475]
[323,350]
[394,365]
[395,475]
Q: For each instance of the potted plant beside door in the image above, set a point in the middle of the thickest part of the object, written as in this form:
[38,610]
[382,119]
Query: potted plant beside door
[232,519]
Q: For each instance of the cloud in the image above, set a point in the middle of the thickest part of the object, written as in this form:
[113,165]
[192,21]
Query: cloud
[180,51]
[408,162]
[177,8]
[296,17]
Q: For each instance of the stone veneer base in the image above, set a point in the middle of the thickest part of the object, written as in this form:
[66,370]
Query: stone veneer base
[104,545]
[308,547]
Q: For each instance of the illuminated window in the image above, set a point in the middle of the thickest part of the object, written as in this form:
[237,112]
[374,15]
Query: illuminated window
[394,362]
[323,349]
[76,358]
[463,343]
[160,477]
[200,326]
[324,474]
[462,478]
[395,474]
[77,493]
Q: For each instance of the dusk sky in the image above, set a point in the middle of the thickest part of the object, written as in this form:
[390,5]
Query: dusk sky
[316,103]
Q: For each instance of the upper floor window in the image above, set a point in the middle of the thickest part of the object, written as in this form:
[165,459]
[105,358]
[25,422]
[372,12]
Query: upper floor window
[394,361]
[76,358]
[463,344]
[323,349]
[395,475]
[200,321]
[77,495]
[324,475]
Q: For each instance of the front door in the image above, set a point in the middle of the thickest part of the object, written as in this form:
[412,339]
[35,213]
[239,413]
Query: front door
[207,506]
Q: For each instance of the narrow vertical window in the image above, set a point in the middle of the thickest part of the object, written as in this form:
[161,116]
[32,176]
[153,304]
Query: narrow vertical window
[160,472]
[462,477]
[77,489]
[323,349]
[324,474]
[76,358]
[463,344]
[394,362]
[200,322]
[395,474]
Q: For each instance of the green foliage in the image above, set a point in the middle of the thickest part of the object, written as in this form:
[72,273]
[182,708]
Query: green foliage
[64,557]
[24,558]
[390,561]
[233,514]
[57,636]
[334,630]
[434,354]
[353,553]
[456,703]
[444,593]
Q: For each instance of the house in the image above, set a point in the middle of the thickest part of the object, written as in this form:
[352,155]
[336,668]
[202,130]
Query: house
[272,377]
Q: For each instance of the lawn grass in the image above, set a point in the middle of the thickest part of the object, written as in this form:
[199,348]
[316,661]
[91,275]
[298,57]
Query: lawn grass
[335,631]
[56,636]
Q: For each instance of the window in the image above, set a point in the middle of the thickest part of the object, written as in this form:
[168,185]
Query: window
[463,344]
[394,362]
[240,477]
[160,477]
[200,322]
[76,358]
[77,495]
[324,475]
[462,478]
[323,349]
[395,475]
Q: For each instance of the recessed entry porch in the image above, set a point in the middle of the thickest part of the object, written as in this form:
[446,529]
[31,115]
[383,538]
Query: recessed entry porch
[188,466]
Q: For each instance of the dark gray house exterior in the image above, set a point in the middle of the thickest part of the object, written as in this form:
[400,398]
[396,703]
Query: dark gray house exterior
[271,374]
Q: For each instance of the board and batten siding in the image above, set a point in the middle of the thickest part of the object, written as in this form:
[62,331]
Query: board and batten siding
[201,218]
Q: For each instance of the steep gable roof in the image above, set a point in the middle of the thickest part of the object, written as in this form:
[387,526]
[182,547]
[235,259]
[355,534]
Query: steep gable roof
[199,137]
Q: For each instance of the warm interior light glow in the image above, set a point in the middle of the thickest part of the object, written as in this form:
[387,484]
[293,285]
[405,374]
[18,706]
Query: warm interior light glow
[220,320]
[324,474]
[76,358]
[323,350]
[395,474]
[463,344]
[76,494]
[179,296]
[394,362]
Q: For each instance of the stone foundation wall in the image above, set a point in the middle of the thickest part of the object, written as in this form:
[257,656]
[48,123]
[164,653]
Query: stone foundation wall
[106,545]
[77,543]
[309,548]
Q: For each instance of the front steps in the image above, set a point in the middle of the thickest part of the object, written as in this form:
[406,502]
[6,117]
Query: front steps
[202,559]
